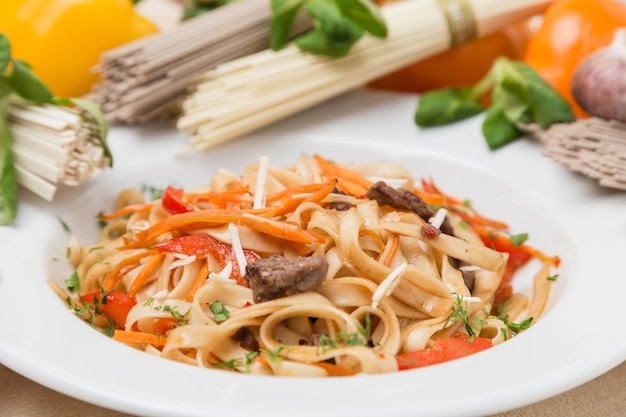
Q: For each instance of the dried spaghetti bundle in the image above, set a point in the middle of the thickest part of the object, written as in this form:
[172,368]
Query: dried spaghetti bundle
[143,79]
[251,92]
[53,146]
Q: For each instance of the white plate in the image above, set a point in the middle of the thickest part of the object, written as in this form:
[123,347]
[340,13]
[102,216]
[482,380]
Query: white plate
[566,214]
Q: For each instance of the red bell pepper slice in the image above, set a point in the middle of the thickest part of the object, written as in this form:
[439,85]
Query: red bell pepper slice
[201,244]
[116,304]
[443,350]
[173,203]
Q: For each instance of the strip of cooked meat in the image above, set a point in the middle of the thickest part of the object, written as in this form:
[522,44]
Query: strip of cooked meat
[403,199]
[277,276]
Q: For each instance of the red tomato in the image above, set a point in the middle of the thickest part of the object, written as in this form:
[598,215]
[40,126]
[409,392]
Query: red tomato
[173,203]
[443,350]
[116,306]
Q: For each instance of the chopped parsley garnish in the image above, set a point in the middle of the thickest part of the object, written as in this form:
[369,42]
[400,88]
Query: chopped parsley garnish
[460,313]
[553,277]
[519,239]
[73,282]
[154,193]
[274,355]
[64,225]
[220,313]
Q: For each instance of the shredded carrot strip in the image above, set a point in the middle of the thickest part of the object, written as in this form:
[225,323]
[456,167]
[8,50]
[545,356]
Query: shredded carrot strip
[477,219]
[140,338]
[334,370]
[394,248]
[143,275]
[125,265]
[224,199]
[290,203]
[199,282]
[349,181]
[134,208]
[307,188]
[206,218]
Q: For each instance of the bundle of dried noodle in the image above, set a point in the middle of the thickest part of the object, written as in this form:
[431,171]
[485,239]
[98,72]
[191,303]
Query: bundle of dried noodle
[144,79]
[53,146]
[593,147]
[246,94]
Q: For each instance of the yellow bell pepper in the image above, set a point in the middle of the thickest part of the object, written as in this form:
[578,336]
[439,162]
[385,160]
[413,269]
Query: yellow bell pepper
[63,39]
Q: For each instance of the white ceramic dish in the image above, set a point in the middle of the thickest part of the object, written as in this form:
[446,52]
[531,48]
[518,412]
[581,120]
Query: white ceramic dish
[564,214]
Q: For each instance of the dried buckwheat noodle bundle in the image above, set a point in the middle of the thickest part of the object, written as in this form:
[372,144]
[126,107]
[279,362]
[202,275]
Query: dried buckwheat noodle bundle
[143,79]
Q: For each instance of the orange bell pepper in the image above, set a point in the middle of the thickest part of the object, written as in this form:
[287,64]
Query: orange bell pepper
[571,31]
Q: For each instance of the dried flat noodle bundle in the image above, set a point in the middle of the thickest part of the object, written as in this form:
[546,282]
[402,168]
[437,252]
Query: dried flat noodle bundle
[142,80]
[52,146]
[593,147]
[249,93]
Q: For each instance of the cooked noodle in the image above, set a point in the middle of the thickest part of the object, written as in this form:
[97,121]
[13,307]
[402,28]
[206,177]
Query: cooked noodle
[393,283]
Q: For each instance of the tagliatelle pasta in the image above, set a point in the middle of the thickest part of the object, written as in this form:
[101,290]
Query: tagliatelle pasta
[314,269]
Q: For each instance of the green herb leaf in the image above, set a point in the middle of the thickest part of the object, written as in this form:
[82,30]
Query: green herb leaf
[546,106]
[5,52]
[365,15]
[440,107]
[518,95]
[518,327]
[220,313]
[497,129]
[27,84]
[338,24]
[73,282]
[283,14]
[553,277]
[333,35]
[8,176]
[519,239]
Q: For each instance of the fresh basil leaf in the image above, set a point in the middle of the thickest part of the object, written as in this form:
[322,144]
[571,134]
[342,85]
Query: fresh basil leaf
[8,176]
[365,15]
[26,84]
[318,42]
[5,86]
[334,34]
[546,106]
[283,14]
[448,105]
[96,112]
[497,129]
[5,52]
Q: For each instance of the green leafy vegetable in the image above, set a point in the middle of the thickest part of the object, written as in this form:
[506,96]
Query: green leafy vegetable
[17,77]
[220,312]
[338,24]
[519,239]
[193,8]
[519,96]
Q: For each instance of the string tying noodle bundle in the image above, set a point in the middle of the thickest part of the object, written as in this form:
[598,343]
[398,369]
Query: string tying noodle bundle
[248,93]
[387,289]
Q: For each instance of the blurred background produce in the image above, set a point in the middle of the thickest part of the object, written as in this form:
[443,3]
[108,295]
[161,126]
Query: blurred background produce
[63,39]
[570,32]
